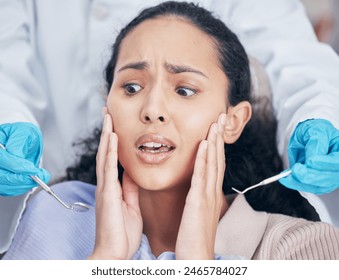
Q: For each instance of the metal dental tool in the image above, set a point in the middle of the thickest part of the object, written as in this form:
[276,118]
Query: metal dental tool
[77,206]
[265,182]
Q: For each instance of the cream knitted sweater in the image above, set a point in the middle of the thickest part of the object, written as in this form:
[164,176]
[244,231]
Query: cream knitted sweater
[298,239]
[260,235]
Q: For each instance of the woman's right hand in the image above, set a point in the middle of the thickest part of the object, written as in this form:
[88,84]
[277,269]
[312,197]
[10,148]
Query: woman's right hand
[118,217]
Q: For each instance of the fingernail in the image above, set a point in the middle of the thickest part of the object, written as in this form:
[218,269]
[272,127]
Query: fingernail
[215,128]
[223,119]
[111,138]
[103,112]
[203,145]
[105,121]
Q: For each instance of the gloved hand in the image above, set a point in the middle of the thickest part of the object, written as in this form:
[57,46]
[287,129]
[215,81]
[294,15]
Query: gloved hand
[313,154]
[23,143]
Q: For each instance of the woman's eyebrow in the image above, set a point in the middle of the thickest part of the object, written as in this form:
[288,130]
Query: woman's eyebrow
[177,69]
[140,65]
[172,68]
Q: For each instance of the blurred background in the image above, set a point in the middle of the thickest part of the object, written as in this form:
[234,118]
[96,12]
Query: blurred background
[324,15]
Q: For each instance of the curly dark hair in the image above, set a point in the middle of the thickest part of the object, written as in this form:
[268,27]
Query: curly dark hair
[254,156]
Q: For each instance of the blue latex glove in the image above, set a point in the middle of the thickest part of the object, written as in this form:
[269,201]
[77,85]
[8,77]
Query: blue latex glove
[313,154]
[23,143]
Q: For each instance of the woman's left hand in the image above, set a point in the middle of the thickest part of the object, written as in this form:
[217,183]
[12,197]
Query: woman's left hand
[205,199]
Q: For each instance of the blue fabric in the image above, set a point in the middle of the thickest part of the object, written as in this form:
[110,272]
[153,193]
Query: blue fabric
[23,144]
[313,154]
[48,231]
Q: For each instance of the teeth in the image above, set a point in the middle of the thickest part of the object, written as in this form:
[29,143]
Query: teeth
[154,145]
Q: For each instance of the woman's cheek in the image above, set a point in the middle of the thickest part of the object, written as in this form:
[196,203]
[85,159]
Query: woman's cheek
[204,122]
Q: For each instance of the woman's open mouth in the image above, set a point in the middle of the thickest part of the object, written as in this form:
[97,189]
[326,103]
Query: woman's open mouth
[154,148]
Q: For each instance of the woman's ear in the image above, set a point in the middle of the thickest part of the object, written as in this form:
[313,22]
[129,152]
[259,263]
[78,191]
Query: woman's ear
[237,117]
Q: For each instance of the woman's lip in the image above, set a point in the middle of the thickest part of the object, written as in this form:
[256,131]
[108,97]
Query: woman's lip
[156,157]
[156,138]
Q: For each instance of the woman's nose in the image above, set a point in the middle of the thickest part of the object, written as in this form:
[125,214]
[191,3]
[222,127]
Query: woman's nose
[154,109]
[150,118]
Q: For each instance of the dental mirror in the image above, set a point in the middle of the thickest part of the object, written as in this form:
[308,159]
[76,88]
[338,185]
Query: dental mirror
[76,206]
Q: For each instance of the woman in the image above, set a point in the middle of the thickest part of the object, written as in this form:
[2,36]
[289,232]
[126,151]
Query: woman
[179,98]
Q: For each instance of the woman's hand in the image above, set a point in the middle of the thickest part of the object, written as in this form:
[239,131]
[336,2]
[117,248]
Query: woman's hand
[118,217]
[205,199]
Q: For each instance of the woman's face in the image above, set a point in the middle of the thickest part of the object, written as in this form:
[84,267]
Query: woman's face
[168,89]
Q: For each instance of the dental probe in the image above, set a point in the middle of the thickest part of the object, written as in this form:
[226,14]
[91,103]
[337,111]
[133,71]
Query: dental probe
[265,182]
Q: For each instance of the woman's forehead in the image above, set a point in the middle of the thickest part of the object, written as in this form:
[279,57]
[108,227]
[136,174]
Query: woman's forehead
[170,37]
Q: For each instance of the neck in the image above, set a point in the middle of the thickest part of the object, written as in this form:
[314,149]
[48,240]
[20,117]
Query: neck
[161,213]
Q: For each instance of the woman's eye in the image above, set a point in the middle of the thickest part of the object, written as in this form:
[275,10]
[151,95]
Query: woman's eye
[131,89]
[186,92]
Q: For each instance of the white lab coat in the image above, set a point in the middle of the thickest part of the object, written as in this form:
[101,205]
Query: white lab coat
[53,52]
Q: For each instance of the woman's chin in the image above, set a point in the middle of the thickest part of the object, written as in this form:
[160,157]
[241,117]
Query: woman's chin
[160,177]
[159,183]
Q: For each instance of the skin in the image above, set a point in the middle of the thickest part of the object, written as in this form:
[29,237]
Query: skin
[165,88]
